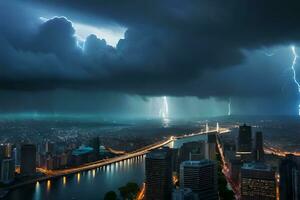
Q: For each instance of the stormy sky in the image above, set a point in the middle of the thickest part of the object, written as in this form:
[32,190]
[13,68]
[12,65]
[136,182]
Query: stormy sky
[121,57]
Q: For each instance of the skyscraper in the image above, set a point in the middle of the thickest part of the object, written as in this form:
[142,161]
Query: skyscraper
[211,137]
[244,143]
[183,194]
[258,150]
[95,144]
[244,139]
[50,147]
[7,170]
[159,174]
[289,185]
[201,177]
[257,182]
[192,151]
[28,159]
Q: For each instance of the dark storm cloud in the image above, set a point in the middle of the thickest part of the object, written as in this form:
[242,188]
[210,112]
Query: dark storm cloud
[171,47]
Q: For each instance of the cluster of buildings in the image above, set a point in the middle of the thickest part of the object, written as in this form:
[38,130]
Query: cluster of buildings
[23,161]
[52,158]
[193,165]
[253,175]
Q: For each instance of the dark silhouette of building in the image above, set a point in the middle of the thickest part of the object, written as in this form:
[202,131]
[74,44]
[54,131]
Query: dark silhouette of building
[192,151]
[28,160]
[289,185]
[7,173]
[244,139]
[258,181]
[200,176]
[159,174]
[211,138]
[2,155]
[95,144]
[244,143]
[210,146]
[50,147]
[258,150]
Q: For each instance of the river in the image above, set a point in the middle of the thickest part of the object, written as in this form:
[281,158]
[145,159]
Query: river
[92,184]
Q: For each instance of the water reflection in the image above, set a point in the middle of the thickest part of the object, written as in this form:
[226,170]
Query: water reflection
[37,192]
[48,185]
[64,180]
[78,177]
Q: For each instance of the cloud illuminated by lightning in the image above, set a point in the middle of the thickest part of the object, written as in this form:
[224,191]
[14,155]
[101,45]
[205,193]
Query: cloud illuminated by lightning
[293,48]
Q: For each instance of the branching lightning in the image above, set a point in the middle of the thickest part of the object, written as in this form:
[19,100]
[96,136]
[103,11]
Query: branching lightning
[229,107]
[293,48]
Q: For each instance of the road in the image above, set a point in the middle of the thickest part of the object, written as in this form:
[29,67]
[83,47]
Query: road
[235,187]
[269,148]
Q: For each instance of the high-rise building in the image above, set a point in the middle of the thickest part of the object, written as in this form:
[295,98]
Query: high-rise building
[159,174]
[175,160]
[95,144]
[50,147]
[210,151]
[258,150]
[2,151]
[2,156]
[183,194]
[7,170]
[257,182]
[289,185]
[210,146]
[28,160]
[244,143]
[201,177]
[8,150]
[211,137]
[192,151]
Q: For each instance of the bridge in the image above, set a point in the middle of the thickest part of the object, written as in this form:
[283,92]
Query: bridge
[53,174]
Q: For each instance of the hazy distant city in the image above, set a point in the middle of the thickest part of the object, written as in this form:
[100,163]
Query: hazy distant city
[39,155]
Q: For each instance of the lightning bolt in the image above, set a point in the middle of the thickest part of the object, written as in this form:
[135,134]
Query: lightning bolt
[164,111]
[293,48]
[229,107]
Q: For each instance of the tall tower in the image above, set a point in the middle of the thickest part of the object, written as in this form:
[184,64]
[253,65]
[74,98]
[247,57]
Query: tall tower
[244,143]
[289,185]
[258,147]
[159,174]
[201,177]
[244,140]
[28,159]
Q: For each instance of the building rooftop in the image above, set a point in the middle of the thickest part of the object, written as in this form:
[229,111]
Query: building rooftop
[82,150]
[158,154]
[256,166]
[197,163]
